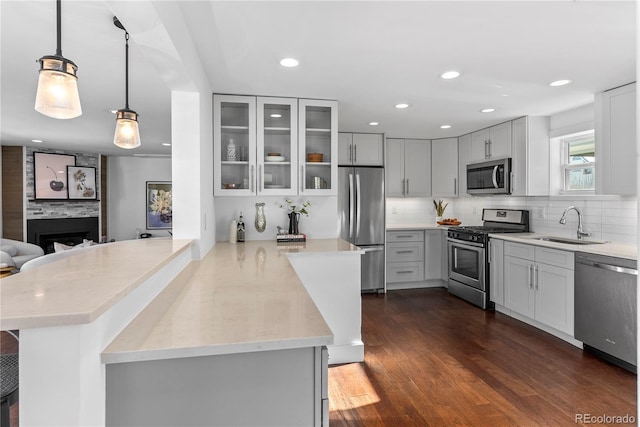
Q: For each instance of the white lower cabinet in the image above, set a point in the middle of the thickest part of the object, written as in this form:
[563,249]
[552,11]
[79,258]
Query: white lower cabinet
[496,271]
[538,284]
[414,257]
[405,256]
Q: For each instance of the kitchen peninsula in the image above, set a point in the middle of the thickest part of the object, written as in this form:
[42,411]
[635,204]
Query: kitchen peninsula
[248,305]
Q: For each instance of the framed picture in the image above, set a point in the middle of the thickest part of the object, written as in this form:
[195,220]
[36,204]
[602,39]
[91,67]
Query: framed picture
[82,182]
[50,175]
[159,206]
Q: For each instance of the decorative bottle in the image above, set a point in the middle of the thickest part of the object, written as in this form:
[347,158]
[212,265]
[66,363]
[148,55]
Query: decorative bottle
[233,232]
[241,228]
[231,151]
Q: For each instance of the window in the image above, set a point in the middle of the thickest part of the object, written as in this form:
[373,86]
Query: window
[578,162]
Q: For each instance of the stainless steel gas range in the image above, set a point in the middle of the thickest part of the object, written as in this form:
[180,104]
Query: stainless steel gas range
[468,260]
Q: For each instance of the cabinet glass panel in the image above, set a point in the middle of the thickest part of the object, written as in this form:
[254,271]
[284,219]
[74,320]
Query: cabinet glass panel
[318,147]
[277,147]
[234,146]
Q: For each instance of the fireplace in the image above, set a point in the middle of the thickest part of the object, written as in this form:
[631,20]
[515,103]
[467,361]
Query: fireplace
[68,231]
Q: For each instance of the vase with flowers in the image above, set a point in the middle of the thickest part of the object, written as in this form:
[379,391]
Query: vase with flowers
[440,206]
[293,212]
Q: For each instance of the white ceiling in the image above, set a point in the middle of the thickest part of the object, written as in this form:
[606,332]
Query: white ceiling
[369,55]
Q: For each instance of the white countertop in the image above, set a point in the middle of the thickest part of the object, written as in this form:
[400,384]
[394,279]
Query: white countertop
[240,297]
[619,250]
[77,289]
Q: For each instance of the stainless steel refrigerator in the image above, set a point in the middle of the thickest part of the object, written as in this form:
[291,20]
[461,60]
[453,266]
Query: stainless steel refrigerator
[361,210]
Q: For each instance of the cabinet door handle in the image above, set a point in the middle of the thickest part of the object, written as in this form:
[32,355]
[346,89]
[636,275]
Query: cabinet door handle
[530,268]
[350,153]
[260,179]
[404,272]
[455,186]
[404,252]
[251,180]
[407,186]
[302,178]
[489,148]
[403,188]
[405,237]
[486,149]
[355,153]
[513,182]
[537,276]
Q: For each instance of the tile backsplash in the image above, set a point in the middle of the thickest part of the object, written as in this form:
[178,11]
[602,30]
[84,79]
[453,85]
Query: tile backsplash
[610,218]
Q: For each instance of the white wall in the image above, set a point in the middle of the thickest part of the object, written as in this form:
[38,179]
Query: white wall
[126,193]
[322,221]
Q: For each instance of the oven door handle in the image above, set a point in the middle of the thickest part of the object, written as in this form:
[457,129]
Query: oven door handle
[463,242]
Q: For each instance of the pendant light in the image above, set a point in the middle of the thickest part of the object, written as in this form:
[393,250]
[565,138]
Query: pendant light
[127,133]
[57,94]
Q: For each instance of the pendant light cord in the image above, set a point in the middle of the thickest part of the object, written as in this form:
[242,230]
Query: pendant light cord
[126,66]
[59,25]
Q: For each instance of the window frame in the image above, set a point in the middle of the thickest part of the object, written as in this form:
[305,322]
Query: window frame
[566,167]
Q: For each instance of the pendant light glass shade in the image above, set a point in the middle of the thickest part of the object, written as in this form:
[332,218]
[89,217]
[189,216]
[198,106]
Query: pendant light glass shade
[127,134]
[57,94]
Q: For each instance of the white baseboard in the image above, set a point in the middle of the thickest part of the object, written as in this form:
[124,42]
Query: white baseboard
[431,283]
[339,354]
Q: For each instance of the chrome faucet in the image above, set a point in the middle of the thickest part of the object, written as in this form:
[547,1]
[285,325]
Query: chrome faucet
[581,233]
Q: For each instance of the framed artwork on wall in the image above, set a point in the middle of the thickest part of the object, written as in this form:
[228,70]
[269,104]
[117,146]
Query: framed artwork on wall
[159,205]
[50,175]
[82,182]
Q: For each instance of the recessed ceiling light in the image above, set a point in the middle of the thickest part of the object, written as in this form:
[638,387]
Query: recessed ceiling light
[289,62]
[37,140]
[373,123]
[450,75]
[166,144]
[276,116]
[560,83]
[487,110]
[445,126]
[401,106]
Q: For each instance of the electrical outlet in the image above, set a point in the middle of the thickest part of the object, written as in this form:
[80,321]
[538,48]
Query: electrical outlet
[393,210]
[541,213]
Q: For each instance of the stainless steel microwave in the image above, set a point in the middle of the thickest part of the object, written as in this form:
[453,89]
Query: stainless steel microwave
[489,177]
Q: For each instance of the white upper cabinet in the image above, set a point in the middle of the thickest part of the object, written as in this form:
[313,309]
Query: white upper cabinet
[444,167]
[318,147]
[464,157]
[277,146]
[530,156]
[360,149]
[261,146]
[234,142]
[615,136]
[407,168]
[493,142]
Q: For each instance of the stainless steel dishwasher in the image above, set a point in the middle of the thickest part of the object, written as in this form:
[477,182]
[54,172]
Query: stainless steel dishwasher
[605,307]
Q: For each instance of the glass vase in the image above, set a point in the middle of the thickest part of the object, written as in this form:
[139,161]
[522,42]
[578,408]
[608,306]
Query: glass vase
[261,219]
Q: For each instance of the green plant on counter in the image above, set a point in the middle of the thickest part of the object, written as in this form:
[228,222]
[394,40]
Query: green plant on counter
[440,207]
[289,207]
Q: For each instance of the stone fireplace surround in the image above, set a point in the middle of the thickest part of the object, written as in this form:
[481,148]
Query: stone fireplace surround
[68,231]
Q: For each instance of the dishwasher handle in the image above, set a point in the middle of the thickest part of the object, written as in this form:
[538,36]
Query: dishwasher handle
[610,267]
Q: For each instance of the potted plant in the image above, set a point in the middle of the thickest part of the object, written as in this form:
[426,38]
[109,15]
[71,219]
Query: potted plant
[293,212]
[440,206]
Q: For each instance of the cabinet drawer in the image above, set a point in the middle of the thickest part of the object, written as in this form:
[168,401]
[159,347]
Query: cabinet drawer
[519,250]
[555,257]
[405,272]
[405,236]
[405,252]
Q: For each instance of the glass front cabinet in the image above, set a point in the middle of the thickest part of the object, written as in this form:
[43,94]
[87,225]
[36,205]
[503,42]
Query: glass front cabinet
[318,142]
[274,146]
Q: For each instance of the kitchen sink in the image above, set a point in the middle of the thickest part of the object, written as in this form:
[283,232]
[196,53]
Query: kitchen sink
[568,240]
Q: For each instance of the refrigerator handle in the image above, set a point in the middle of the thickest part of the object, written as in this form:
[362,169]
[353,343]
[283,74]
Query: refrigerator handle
[351,207]
[357,205]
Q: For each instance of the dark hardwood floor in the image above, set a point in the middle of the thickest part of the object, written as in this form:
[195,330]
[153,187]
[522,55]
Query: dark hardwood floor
[432,359]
